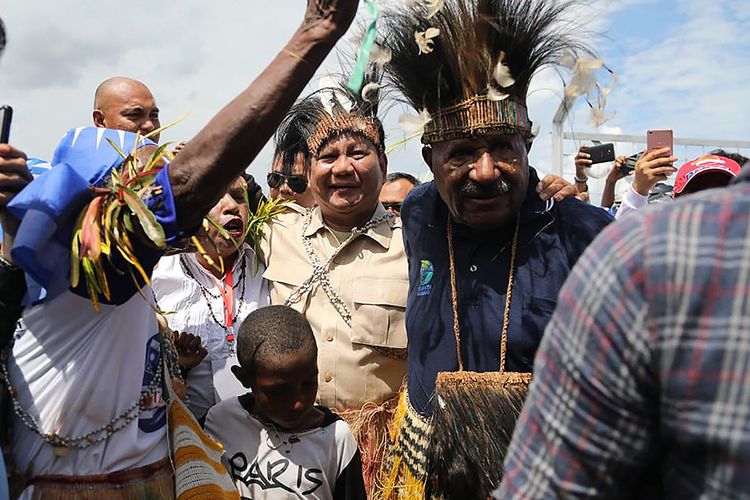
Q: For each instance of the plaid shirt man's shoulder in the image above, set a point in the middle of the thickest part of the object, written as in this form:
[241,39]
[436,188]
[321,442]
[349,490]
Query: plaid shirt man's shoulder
[643,367]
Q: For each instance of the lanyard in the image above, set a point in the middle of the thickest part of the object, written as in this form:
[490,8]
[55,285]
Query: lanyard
[226,290]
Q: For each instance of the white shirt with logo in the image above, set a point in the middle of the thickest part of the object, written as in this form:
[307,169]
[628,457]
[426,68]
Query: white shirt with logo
[75,370]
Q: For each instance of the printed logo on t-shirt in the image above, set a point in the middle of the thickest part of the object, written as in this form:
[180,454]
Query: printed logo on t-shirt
[426,271]
[281,474]
[154,413]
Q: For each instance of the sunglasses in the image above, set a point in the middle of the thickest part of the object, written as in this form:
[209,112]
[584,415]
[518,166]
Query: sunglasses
[297,183]
[394,207]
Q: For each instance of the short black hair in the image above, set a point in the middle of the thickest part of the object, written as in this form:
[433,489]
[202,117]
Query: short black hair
[273,331]
[741,160]
[402,175]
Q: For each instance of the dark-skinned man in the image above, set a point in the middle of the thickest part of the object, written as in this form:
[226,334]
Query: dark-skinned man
[342,264]
[487,256]
[81,430]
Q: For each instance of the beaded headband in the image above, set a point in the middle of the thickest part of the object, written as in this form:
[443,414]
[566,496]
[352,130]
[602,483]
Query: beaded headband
[477,116]
[345,122]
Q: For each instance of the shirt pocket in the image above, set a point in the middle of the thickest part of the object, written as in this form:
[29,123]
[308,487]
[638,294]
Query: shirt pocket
[289,274]
[379,309]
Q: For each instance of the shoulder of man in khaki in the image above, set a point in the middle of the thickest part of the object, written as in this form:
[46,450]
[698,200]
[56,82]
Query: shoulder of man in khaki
[289,220]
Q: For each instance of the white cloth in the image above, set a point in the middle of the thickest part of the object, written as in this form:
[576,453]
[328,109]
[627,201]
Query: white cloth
[631,200]
[74,371]
[268,463]
[181,296]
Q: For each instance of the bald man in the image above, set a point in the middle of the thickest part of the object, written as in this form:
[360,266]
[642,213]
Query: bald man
[125,104]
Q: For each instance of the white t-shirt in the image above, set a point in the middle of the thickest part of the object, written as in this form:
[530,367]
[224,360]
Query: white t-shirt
[181,296]
[321,463]
[74,371]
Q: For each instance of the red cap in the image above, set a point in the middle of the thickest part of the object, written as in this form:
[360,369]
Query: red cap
[702,165]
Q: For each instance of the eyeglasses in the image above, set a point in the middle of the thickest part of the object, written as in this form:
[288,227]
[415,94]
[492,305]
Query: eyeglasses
[393,207]
[297,183]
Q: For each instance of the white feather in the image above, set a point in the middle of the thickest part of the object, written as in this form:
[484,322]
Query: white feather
[496,95]
[433,7]
[413,125]
[380,56]
[424,39]
[502,75]
[369,88]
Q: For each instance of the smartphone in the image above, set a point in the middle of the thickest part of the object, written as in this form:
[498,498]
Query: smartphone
[657,139]
[7,116]
[629,164]
[601,153]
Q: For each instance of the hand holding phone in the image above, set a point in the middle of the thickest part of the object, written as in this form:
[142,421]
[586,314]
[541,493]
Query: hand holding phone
[628,165]
[658,139]
[7,116]
[654,166]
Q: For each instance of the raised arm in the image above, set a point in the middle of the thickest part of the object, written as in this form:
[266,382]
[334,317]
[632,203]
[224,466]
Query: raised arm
[225,147]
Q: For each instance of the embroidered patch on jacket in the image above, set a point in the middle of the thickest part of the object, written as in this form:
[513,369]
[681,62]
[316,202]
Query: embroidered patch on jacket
[426,272]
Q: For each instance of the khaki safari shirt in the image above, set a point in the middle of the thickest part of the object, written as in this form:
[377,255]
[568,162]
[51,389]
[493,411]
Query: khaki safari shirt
[367,361]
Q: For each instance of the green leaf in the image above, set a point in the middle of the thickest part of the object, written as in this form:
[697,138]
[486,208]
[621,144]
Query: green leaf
[151,228]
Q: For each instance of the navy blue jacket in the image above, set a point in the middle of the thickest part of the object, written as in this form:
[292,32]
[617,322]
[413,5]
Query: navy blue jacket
[550,241]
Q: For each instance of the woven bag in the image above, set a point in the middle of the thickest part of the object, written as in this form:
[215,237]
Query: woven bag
[198,470]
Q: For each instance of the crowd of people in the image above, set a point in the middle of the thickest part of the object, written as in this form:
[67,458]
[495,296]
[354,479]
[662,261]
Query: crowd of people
[168,331]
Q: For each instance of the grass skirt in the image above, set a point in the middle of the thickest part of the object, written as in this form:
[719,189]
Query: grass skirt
[371,427]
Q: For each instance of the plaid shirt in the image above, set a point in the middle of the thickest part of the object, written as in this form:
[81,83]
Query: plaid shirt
[642,379]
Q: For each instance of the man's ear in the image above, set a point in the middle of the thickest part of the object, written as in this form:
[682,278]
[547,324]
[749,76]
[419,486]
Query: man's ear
[427,155]
[241,375]
[383,164]
[98,116]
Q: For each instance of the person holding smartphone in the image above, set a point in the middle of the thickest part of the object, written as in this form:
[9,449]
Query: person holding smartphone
[654,166]
[583,162]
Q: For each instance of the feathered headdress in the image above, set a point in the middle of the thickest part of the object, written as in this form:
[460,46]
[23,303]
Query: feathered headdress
[469,63]
[331,110]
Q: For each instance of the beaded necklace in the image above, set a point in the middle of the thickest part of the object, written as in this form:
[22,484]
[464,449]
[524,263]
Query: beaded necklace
[320,274]
[61,443]
[207,295]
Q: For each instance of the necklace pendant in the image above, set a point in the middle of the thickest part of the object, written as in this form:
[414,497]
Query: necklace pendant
[230,337]
[60,451]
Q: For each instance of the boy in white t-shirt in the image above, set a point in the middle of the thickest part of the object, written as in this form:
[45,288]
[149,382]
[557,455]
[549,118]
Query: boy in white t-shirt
[278,444]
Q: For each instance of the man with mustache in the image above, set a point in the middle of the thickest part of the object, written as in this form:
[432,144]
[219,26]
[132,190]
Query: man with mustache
[487,256]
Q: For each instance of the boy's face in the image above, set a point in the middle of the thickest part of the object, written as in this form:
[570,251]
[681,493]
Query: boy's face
[285,388]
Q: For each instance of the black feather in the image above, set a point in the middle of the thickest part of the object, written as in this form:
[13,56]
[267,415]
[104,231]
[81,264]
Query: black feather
[474,36]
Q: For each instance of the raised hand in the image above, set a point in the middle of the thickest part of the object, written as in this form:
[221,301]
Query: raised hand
[330,16]
[654,166]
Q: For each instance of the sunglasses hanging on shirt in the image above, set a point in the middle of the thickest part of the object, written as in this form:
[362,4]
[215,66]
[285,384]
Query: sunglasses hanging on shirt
[297,183]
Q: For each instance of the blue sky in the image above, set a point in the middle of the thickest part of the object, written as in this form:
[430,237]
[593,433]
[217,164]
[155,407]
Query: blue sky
[681,64]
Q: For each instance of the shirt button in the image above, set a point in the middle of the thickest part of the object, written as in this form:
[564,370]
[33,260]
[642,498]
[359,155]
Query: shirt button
[327,377]
[329,337]
[473,268]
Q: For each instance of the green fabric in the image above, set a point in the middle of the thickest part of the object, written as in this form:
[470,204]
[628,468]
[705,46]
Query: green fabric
[342,236]
[357,77]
